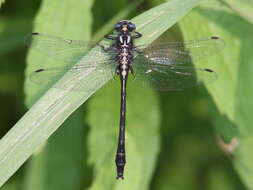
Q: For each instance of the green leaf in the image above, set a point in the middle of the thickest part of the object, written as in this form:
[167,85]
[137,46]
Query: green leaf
[230,93]
[50,111]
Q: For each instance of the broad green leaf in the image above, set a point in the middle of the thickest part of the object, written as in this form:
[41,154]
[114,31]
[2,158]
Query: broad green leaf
[66,147]
[231,93]
[56,105]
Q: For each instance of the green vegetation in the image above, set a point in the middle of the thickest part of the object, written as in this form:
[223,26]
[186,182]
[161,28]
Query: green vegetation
[198,138]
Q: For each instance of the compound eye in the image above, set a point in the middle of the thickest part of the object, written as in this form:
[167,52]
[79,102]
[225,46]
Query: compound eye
[117,26]
[131,26]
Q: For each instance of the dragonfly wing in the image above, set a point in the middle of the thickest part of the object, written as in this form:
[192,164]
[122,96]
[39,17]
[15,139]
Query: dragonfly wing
[70,51]
[182,52]
[101,72]
[164,77]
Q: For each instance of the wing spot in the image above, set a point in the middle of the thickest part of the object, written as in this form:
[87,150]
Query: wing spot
[35,33]
[209,70]
[215,38]
[39,70]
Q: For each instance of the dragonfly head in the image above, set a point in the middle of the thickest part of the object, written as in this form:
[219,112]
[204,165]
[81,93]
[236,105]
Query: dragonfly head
[124,26]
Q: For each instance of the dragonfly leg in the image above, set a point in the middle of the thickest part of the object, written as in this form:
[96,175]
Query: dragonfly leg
[137,35]
[137,50]
[117,72]
[110,37]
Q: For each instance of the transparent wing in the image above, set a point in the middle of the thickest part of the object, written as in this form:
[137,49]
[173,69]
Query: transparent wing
[182,52]
[164,77]
[66,50]
[102,71]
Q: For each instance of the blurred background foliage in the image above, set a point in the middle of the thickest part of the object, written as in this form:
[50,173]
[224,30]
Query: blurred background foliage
[192,129]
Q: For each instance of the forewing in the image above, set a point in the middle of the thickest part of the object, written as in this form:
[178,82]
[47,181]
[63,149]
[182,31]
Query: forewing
[67,50]
[164,77]
[182,52]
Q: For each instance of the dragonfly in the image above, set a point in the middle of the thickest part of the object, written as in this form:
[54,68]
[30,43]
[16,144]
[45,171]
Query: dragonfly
[163,67]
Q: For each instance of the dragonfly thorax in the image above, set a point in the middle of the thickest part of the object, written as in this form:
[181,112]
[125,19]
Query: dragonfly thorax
[125,47]
[124,40]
